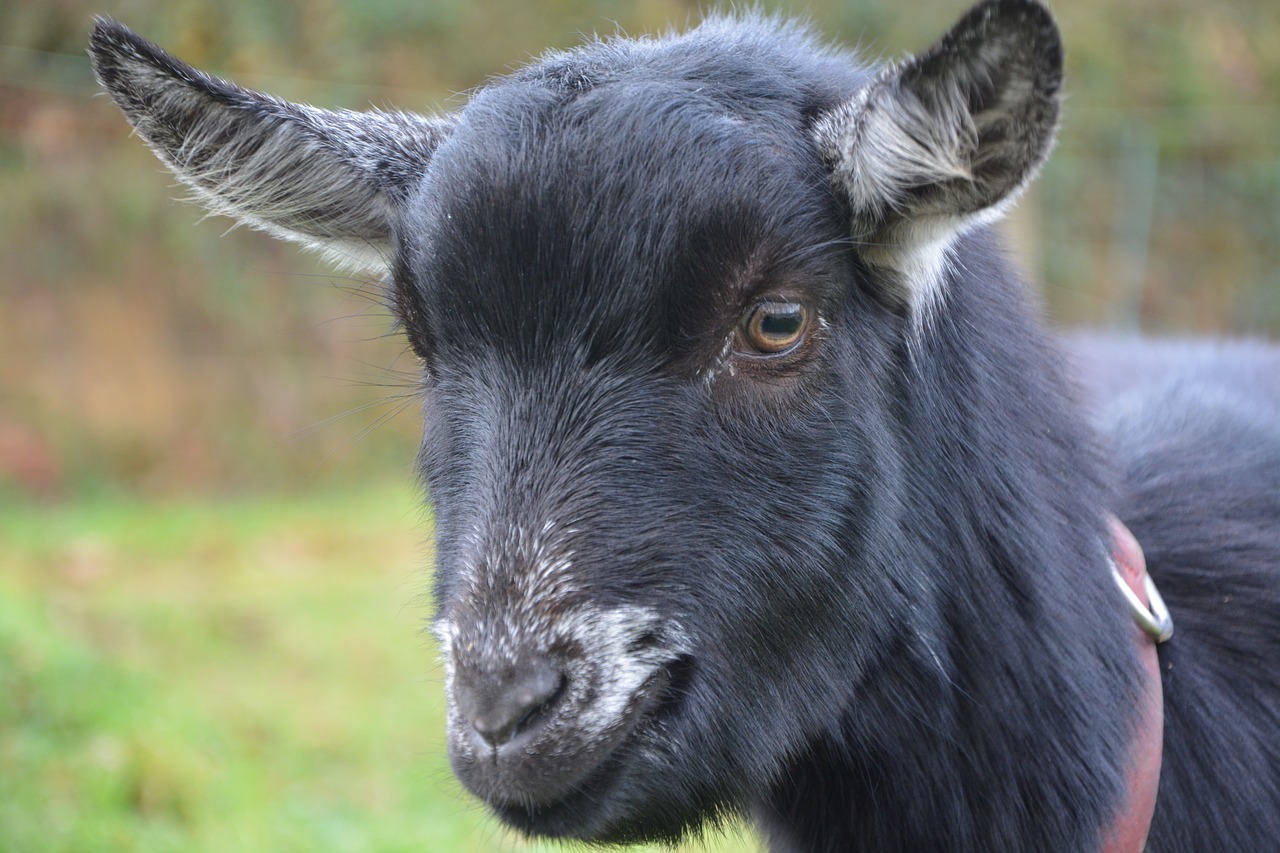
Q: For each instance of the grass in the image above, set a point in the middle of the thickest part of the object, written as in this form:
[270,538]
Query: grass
[234,676]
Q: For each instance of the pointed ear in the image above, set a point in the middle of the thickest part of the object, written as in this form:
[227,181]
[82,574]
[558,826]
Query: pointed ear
[331,180]
[947,139]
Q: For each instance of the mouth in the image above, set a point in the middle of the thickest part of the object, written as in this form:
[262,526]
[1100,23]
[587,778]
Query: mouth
[564,726]
[602,801]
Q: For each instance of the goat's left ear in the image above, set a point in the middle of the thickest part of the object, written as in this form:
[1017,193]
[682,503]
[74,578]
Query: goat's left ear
[330,179]
[946,139]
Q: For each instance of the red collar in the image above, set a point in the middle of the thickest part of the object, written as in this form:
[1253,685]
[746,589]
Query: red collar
[1152,625]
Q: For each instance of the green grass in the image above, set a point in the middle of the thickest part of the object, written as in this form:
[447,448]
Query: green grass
[236,676]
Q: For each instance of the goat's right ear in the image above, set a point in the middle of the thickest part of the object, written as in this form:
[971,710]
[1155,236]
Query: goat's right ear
[331,180]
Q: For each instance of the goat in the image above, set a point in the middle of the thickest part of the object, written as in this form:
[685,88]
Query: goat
[759,487]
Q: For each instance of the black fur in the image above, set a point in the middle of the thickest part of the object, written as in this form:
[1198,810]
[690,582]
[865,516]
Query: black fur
[858,588]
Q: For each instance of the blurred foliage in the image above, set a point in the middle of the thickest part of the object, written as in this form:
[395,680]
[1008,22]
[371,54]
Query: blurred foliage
[143,352]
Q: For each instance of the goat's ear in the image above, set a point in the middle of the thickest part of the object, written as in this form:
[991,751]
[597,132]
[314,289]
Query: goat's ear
[946,139]
[329,179]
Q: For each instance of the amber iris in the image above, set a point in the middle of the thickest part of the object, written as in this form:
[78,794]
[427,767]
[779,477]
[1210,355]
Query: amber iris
[773,328]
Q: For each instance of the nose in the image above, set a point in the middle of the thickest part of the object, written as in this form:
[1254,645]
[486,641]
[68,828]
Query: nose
[501,705]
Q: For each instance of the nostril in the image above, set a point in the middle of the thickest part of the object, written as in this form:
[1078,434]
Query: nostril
[501,705]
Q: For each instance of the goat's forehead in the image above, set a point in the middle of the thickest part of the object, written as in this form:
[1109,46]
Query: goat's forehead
[610,205]
[623,148]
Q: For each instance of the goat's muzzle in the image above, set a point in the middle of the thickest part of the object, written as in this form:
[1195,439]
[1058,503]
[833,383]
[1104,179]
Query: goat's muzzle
[537,719]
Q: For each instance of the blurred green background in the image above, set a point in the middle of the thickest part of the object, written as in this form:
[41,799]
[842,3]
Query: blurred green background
[210,549]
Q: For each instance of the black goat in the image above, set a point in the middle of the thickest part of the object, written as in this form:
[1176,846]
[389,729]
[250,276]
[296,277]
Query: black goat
[758,486]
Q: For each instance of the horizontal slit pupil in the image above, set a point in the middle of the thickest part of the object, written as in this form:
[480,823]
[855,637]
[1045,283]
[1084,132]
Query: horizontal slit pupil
[780,325]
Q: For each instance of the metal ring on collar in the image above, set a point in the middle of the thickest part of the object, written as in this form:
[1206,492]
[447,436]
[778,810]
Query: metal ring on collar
[1154,619]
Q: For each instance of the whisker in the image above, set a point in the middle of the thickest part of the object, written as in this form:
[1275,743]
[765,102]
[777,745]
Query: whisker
[347,445]
[402,401]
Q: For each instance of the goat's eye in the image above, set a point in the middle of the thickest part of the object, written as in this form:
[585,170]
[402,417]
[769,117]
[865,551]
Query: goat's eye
[772,328]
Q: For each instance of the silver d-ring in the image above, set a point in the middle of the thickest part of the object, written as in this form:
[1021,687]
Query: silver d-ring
[1154,619]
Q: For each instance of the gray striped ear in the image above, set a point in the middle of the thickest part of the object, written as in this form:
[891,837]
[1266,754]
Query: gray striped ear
[947,139]
[331,180]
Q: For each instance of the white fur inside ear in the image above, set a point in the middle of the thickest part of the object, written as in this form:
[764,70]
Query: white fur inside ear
[884,143]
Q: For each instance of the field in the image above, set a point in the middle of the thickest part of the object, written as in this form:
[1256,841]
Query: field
[247,675]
